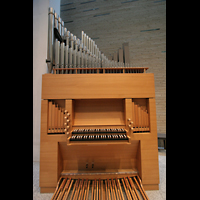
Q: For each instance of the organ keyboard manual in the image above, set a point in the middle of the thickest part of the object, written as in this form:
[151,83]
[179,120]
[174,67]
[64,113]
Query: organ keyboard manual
[98,122]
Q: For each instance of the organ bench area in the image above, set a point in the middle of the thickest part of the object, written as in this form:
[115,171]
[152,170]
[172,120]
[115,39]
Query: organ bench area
[98,136]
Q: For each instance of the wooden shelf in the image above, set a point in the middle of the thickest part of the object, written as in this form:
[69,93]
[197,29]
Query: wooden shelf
[102,174]
[105,70]
[108,142]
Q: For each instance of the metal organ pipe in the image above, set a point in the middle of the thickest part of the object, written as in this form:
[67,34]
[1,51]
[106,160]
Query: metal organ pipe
[50,40]
[68,51]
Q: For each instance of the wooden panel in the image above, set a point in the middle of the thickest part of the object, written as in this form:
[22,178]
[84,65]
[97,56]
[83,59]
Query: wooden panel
[149,161]
[152,119]
[48,164]
[103,156]
[82,86]
[99,112]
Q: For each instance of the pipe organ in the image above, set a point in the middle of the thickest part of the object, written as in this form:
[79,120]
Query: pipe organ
[98,122]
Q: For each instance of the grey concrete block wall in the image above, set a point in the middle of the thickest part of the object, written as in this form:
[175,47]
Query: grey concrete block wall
[141,23]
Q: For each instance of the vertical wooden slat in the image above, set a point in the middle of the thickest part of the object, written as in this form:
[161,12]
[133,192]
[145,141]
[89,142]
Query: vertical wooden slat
[52,118]
[49,116]
[56,119]
[147,121]
[59,120]
[144,114]
[142,118]
[139,118]
[136,117]
[133,114]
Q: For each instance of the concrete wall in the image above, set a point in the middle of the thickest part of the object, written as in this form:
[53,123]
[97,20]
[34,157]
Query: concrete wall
[141,23]
[40,27]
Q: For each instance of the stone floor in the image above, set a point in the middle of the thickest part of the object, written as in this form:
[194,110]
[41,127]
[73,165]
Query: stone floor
[152,194]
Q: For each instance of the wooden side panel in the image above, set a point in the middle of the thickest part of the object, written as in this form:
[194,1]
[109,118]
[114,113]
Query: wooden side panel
[49,163]
[97,86]
[149,161]
[152,114]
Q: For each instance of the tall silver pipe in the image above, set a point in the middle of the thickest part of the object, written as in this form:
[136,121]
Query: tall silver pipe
[82,37]
[70,59]
[78,56]
[82,60]
[67,39]
[62,29]
[66,58]
[50,40]
[57,55]
[62,56]
[72,40]
[59,25]
[54,40]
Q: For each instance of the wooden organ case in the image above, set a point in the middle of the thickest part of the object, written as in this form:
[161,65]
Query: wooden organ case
[98,134]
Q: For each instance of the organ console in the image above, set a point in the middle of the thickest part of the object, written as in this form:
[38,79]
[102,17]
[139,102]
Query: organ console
[98,122]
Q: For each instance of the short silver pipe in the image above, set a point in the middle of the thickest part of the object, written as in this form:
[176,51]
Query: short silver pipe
[78,61]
